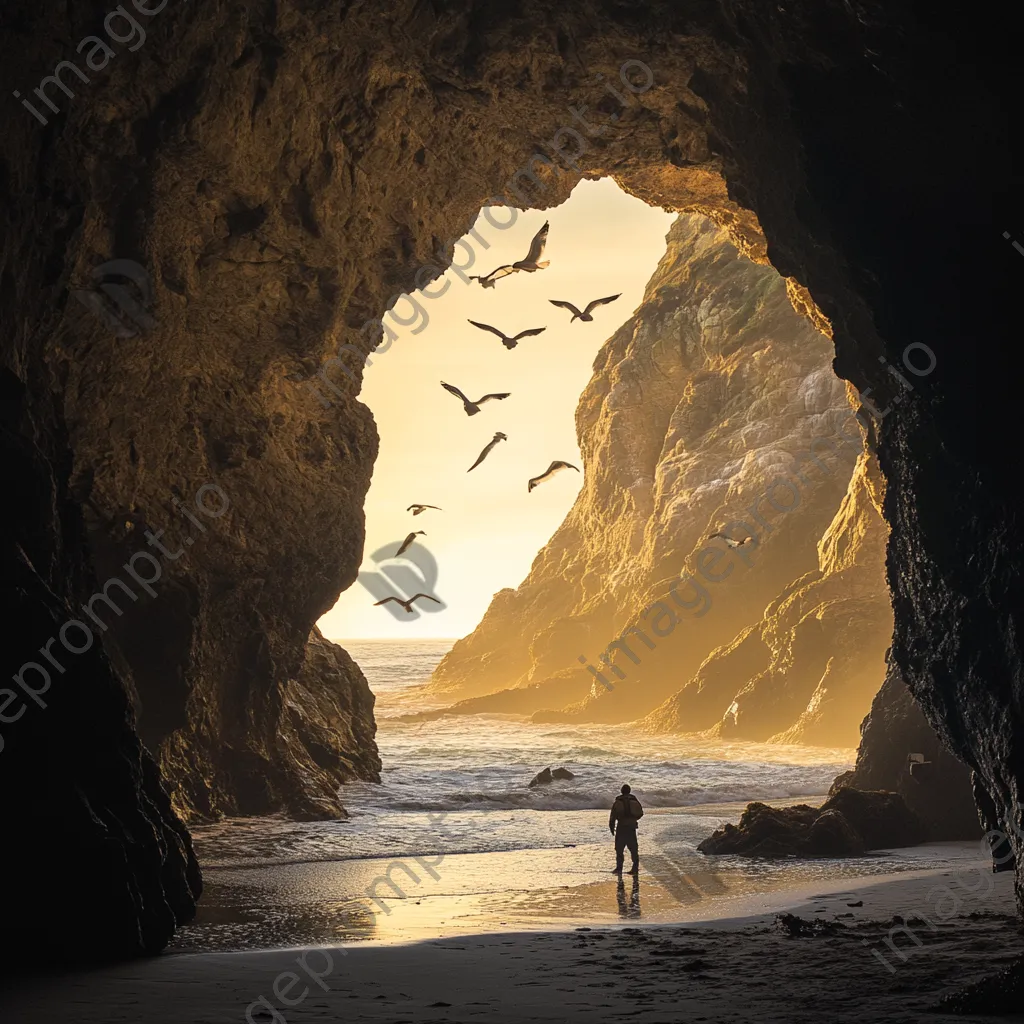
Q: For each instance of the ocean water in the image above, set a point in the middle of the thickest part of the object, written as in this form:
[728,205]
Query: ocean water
[461,784]
[453,840]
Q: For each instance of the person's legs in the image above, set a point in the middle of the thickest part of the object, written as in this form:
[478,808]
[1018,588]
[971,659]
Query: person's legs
[634,850]
[621,838]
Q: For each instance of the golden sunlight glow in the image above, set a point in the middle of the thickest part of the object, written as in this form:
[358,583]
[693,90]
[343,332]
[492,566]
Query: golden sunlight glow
[601,241]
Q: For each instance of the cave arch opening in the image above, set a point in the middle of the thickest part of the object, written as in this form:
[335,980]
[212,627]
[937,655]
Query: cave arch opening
[744,398]
[802,650]
[748,407]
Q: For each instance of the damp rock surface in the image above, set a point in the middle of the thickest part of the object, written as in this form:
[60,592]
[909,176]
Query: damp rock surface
[846,825]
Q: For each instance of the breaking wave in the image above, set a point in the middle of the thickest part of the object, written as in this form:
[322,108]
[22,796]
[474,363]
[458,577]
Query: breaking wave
[471,774]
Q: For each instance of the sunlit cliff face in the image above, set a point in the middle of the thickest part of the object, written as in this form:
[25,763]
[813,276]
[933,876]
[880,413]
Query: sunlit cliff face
[714,409]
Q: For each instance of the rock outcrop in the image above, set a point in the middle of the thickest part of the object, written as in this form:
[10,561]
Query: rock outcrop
[546,777]
[312,731]
[807,671]
[284,171]
[942,797]
[848,824]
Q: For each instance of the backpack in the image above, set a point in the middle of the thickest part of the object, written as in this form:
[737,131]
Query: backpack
[631,807]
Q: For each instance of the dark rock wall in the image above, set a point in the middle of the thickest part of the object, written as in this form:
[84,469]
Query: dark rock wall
[155,161]
[90,844]
[282,170]
[953,568]
[940,795]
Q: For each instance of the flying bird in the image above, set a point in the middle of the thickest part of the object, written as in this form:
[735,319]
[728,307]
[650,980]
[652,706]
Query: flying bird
[408,540]
[472,408]
[530,264]
[548,473]
[407,605]
[585,315]
[509,343]
[417,509]
[729,540]
[499,436]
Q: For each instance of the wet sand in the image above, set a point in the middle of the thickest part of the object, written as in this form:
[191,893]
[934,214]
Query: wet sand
[532,890]
[407,899]
[747,969]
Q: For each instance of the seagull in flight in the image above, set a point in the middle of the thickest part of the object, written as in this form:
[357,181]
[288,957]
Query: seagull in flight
[407,605]
[509,343]
[530,264]
[417,509]
[585,315]
[499,436]
[472,408]
[548,473]
[729,540]
[408,540]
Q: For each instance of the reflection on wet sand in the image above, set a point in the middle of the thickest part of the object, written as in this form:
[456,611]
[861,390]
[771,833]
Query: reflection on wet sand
[632,908]
[239,916]
[327,902]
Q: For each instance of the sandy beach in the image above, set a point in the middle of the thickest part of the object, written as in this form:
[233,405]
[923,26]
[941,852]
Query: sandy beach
[747,968]
[409,899]
[457,892]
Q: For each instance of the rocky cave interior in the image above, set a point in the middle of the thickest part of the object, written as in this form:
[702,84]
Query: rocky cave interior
[284,170]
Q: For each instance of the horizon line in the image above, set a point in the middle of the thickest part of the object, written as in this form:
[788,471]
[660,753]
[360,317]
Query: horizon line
[347,639]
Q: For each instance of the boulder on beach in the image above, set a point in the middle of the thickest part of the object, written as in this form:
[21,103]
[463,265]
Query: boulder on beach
[548,776]
[883,819]
[846,825]
[832,835]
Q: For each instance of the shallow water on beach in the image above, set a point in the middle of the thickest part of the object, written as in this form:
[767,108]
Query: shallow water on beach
[455,794]
[405,899]
[477,770]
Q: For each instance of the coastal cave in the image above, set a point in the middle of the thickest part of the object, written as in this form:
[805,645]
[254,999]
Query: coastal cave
[294,167]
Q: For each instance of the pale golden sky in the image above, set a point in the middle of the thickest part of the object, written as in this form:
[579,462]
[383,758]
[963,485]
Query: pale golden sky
[601,241]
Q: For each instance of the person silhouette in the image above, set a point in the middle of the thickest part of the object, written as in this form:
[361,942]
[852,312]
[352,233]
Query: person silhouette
[622,822]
